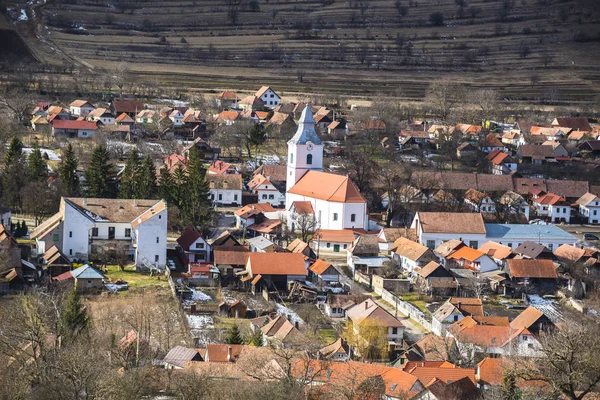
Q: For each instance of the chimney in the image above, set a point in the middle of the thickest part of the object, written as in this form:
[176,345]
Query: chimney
[135,202]
[366,305]
[297,325]
[85,201]
[228,353]
[459,305]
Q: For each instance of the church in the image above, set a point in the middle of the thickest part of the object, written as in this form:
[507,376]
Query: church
[333,199]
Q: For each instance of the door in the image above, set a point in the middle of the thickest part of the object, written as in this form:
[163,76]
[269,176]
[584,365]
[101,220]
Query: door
[336,248]
[111,232]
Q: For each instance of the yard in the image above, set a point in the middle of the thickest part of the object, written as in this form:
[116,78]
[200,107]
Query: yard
[416,299]
[136,280]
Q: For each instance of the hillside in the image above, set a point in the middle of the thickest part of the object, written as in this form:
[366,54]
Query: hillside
[530,50]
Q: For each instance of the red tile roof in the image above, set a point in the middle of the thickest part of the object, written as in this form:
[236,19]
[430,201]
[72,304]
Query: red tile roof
[326,186]
[320,266]
[70,124]
[219,167]
[303,207]
[188,237]
[532,268]
[276,264]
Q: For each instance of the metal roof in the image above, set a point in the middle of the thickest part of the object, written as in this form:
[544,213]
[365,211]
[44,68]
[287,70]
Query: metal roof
[531,232]
[86,272]
[376,261]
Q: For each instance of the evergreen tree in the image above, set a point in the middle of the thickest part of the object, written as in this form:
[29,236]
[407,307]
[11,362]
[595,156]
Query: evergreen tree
[234,337]
[196,207]
[256,339]
[146,182]
[68,171]
[257,136]
[129,178]
[24,228]
[166,185]
[37,170]
[100,174]
[13,178]
[75,319]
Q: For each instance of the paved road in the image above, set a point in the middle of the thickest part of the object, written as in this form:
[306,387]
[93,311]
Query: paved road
[578,230]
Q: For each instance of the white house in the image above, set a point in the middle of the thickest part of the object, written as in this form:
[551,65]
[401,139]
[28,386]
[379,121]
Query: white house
[92,226]
[472,259]
[501,163]
[195,248]
[102,115]
[335,241]
[479,201]
[177,117]
[453,310]
[515,203]
[267,192]
[589,207]
[80,108]
[225,189]
[145,117]
[435,228]
[268,97]
[554,207]
[368,313]
[336,201]
[410,255]
[323,272]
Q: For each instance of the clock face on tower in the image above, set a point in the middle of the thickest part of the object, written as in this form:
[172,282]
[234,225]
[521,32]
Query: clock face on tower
[309,146]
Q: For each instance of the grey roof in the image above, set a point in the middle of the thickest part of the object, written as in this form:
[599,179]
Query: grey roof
[520,231]
[376,261]
[531,249]
[260,242]
[306,129]
[178,355]
[86,272]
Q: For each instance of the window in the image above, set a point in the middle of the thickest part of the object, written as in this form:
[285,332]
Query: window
[291,160]
[272,95]
[319,219]
[220,197]
[509,244]
[70,233]
[157,239]
[473,244]
[455,318]
[550,246]
[524,338]
[394,331]
[94,232]
[345,246]
[309,159]
[89,282]
[160,217]
[595,212]
[199,245]
[271,196]
[352,217]
[156,258]
[70,252]
[235,197]
[335,216]
[328,245]
[431,244]
[127,232]
[530,345]
[264,196]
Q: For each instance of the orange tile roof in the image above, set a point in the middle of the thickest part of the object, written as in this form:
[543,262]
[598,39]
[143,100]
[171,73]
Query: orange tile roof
[428,269]
[491,371]
[526,318]
[124,118]
[330,235]
[326,186]
[253,209]
[70,124]
[407,248]
[276,264]
[446,375]
[495,250]
[236,255]
[319,267]
[265,226]
[466,253]
[446,222]
[228,116]
[228,95]
[429,364]
[262,115]
[468,305]
[219,167]
[79,103]
[219,352]
[532,269]
[486,335]
[370,312]
[303,207]
[552,199]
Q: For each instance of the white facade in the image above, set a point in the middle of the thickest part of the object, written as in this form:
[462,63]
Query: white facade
[76,232]
[268,193]
[433,240]
[177,119]
[591,211]
[81,111]
[270,98]
[226,196]
[330,246]
[305,151]
[439,327]
[85,133]
[556,213]
[487,205]
[335,215]
[151,240]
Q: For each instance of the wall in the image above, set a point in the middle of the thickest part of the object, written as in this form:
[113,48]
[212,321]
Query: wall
[444,237]
[394,285]
[146,234]
[77,244]
[228,196]
[119,230]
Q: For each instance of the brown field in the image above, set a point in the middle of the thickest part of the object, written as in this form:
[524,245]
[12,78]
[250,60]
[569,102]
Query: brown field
[359,47]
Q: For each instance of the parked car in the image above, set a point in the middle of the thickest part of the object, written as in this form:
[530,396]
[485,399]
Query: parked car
[590,236]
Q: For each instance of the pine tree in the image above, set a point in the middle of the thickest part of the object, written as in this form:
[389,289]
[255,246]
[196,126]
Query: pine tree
[37,170]
[68,171]
[13,178]
[75,319]
[100,174]
[129,178]
[234,337]
[256,339]
[166,185]
[196,206]
[146,182]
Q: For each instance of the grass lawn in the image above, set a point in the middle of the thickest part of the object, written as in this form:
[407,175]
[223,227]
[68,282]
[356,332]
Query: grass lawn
[328,336]
[416,299]
[135,279]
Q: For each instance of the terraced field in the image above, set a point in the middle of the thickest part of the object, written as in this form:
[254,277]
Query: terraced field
[530,50]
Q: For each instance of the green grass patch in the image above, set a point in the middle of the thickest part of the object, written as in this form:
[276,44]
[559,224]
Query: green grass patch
[416,299]
[135,279]
[328,336]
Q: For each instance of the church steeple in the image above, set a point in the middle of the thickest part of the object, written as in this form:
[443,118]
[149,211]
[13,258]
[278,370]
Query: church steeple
[305,149]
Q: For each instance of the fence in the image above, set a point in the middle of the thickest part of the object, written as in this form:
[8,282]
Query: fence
[180,310]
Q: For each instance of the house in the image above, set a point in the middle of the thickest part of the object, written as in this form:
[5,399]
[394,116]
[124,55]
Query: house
[434,228]
[335,351]
[514,203]
[339,127]
[129,107]
[513,138]
[453,310]
[268,97]
[575,123]
[205,150]
[225,189]
[336,305]
[410,255]
[369,314]
[55,262]
[363,255]
[553,207]
[70,128]
[177,118]
[194,247]
[332,240]
[125,120]
[447,248]
[179,355]
[459,389]
[230,259]
[472,259]
[323,272]
[538,275]
[550,133]
[300,247]
[84,278]
[387,236]
[11,251]
[479,202]
[267,191]
[465,149]
[417,137]
[512,235]
[532,250]
[267,227]
[281,123]
[501,163]
[589,208]
[322,121]
[274,271]
[80,108]
[337,202]
[227,117]
[145,117]
[435,280]
[202,274]
[273,172]
[221,168]
[247,215]
[431,347]
[586,259]
[40,123]
[261,244]
[589,149]
[227,99]
[536,154]
[84,227]
[101,115]
[496,251]
[280,332]
[236,309]
[560,152]
[534,320]
[491,143]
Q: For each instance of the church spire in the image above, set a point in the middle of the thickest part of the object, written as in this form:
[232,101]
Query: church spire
[306,129]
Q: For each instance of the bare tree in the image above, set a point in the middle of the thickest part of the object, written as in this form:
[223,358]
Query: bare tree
[17,101]
[442,97]
[305,223]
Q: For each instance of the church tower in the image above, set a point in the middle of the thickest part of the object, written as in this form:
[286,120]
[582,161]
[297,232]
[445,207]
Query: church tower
[305,149]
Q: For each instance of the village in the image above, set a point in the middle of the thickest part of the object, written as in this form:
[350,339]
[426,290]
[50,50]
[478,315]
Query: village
[312,245]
